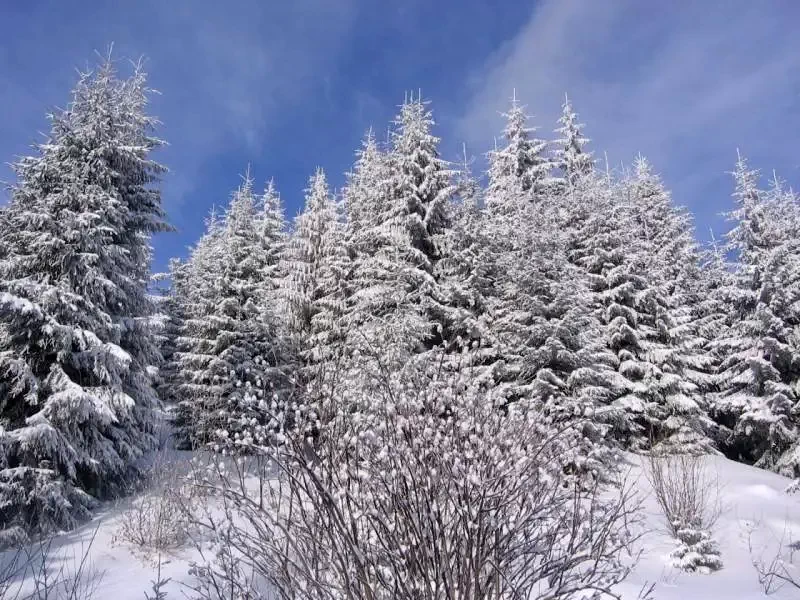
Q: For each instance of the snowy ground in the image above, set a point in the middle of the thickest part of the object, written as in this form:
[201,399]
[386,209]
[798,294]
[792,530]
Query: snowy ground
[751,497]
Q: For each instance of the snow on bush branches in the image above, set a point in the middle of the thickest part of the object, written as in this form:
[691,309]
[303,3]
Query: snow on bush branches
[425,489]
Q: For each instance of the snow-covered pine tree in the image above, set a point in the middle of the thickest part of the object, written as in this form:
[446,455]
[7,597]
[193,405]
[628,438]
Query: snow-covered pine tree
[248,341]
[271,223]
[143,216]
[699,313]
[536,298]
[316,263]
[601,241]
[364,194]
[397,303]
[463,275]
[545,340]
[163,324]
[196,294]
[675,412]
[759,370]
[75,342]
[230,359]
[173,314]
[571,157]
[523,163]
[551,305]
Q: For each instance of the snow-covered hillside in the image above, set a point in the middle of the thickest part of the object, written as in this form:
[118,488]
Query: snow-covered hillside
[753,501]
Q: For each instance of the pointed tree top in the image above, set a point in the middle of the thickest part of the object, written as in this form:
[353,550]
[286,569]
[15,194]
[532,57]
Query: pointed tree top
[271,199]
[317,191]
[212,220]
[746,179]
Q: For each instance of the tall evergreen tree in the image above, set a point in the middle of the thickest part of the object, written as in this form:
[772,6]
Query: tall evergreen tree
[364,194]
[196,294]
[522,164]
[571,156]
[602,243]
[396,299]
[317,263]
[271,233]
[230,359]
[676,408]
[759,369]
[77,406]
[463,274]
[535,298]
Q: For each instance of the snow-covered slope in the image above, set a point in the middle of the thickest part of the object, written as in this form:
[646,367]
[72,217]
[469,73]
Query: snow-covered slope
[753,500]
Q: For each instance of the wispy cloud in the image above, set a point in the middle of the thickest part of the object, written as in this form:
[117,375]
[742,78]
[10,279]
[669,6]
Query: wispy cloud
[684,83]
[231,75]
[229,71]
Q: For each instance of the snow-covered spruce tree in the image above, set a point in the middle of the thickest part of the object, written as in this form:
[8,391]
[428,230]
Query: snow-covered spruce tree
[681,372]
[171,316]
[248,342]
[397,302]
[759,369]
[463,273]
[544,342]
[164,323]
[316,264]
[562,353]
[698,318]
[364,194]
[571,158]
[75,341]
[602,243]
[523,161]
[196,293]
[143,216]
[230,360]
[271,226]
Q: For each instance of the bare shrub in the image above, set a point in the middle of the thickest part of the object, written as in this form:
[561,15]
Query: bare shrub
[421,488]
[687,493]
[37,572]
[690,500]
[156,520]
[779,568]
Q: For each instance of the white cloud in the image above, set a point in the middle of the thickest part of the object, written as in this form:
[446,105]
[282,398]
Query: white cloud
[231,74]
[683,83]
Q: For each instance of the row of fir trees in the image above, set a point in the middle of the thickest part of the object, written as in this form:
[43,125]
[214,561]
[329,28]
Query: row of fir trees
[581,290]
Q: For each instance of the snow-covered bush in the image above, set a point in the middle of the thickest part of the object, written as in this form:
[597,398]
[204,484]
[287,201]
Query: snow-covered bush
[696,551]
[689,498]
[420,489]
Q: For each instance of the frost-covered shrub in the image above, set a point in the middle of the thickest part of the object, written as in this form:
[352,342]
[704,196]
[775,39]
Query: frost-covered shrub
[696,552]
[158,518]
[398,487]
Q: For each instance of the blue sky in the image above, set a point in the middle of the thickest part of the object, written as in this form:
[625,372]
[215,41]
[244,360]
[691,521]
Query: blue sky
[289,86]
